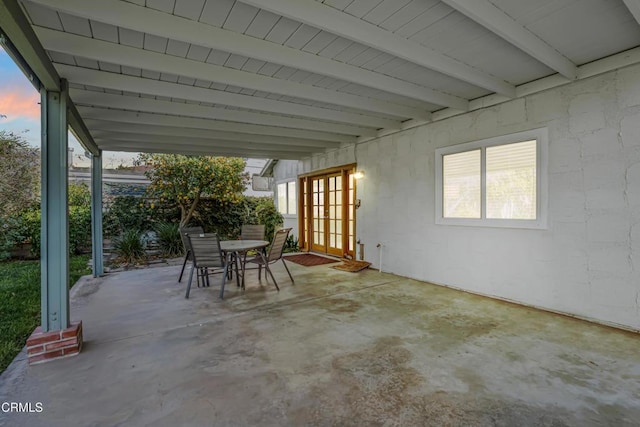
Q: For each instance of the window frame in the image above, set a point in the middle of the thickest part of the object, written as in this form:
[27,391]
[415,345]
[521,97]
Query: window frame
[287,186]
[541,136]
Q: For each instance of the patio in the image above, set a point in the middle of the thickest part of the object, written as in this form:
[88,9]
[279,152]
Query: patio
[334,349]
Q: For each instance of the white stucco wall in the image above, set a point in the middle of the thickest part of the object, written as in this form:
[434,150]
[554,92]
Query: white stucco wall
[586,263]
[291,221]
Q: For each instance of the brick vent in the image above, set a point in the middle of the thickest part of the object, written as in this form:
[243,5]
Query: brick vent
[45,346]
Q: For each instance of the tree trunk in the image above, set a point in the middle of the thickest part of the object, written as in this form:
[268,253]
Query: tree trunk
[185,216]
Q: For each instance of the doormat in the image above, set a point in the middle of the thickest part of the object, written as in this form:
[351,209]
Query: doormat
[309,260]
[352,266]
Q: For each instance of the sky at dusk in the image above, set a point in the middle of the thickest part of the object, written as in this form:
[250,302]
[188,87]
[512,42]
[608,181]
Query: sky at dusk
[20,103]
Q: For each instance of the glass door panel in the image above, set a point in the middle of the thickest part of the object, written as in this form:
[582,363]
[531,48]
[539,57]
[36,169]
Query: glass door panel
[334,213]
[319,218]
[304,214]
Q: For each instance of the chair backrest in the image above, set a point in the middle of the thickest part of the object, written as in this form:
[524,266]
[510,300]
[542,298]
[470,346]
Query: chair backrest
[206,250]
[277,245]
[188,230]
[252,232]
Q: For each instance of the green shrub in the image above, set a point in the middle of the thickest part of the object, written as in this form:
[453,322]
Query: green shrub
[169,239]
[226,219]
[269,216]
[10,235]
[129,246]
[130,212]
[79,229]
[250,205]
[25,228]
[29,223]
[79,194]
[291,245]
[125,213]
[19,173]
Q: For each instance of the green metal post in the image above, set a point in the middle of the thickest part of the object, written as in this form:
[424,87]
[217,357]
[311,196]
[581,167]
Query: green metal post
[55,215]
[96,215]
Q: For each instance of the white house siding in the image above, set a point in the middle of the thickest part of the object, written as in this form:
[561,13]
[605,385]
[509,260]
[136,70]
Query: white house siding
[285,171]
[586,263]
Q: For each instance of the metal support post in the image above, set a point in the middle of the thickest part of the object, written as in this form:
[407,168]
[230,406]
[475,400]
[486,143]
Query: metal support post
[96,215]
[55,215]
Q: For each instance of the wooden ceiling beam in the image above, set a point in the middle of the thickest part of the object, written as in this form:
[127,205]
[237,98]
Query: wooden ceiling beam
[150,21]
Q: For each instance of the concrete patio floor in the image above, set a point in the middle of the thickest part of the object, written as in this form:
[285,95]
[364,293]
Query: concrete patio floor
[336,348]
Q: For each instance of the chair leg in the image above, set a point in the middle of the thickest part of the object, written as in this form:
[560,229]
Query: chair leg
[243,265]
[190,279]
[236,265]
[230,272]
[259,272]
[224,279]
[200,277]
[268,270]
[184,264]
[236,261]
[287,268]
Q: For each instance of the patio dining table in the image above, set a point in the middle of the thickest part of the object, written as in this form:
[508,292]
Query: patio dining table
[240,248]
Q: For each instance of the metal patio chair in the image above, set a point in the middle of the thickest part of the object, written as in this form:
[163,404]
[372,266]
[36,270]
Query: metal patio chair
[272,256]
[206,254]
[249,232]
[252,232]
[185,244]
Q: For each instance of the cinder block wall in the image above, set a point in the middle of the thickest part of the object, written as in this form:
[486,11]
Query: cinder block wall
[586,263]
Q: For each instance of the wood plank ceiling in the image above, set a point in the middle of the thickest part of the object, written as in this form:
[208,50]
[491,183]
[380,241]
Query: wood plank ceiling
[287,78]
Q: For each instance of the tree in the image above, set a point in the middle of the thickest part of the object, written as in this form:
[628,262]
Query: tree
[185,180]
[19,174]
[19,186]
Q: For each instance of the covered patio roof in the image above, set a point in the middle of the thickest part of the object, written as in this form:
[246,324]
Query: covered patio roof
[288,78]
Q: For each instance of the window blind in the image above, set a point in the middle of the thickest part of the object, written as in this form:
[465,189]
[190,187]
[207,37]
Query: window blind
[291,197]
[282,198]
[511,181]
[461,185]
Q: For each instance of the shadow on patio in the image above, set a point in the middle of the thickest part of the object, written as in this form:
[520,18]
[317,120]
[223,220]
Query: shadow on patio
[334,349]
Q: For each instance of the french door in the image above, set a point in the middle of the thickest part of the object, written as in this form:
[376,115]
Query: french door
[328,212]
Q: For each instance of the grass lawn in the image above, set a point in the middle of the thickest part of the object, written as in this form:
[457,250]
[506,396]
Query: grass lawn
[20,302]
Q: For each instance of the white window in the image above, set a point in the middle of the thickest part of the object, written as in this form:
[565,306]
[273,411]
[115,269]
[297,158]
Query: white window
[287,198]
[499,182]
